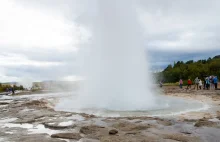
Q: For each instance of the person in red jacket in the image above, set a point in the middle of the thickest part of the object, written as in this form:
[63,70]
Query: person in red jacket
[189,83]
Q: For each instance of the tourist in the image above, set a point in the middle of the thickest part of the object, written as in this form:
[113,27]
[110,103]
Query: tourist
[215,80]
[181,83]
[161,83]
[207,83]
[10,90]
[211,78]
[13,91]
[204,83]
[200,84]
[196,81]
[189,83]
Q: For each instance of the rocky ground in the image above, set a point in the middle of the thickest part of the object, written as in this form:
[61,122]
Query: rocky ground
[27,120]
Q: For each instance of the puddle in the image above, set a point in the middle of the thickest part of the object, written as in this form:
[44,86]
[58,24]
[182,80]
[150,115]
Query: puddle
[6,101]
[26,110]
[6,120]
[76,117]
[68,123]
[40,129]
[9,132]
[214,120]
[11,125]
[2,106]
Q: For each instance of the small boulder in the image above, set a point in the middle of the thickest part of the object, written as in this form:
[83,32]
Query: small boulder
[4,103]
[57,126]
[74,136]
[113,132]
[205,123]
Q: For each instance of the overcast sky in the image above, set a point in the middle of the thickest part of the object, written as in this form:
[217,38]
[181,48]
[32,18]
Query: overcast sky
[39,39]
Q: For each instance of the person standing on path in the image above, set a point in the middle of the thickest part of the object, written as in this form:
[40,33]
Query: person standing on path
[200,84]
[181,83]
[161,83]
[215,80]
[204,83]
[196,81]
[211,80]
[13,90]
[189,83]
[207,83]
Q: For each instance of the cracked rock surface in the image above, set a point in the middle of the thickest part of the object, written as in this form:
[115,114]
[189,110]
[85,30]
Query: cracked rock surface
[23,119]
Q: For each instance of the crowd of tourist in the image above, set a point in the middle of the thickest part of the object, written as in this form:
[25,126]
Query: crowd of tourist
[209,82]
[10,90]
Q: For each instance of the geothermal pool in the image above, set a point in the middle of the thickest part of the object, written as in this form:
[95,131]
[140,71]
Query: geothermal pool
[166,106]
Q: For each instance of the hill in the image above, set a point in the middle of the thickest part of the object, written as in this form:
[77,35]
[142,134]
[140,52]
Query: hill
[190,70]
[216,57]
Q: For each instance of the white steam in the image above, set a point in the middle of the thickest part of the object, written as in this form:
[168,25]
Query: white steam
[114,63]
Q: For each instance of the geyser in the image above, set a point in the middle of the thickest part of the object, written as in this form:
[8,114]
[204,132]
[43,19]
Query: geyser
[115,66]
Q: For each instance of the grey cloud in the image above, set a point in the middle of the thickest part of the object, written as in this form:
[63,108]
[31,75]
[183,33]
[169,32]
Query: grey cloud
[41,73]
[164,21]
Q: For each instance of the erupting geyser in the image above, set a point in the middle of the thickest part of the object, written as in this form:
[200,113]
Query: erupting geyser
[114,65]
[115,68]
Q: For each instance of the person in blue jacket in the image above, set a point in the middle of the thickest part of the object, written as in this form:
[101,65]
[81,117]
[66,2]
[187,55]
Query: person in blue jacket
[215,80]
[207,83]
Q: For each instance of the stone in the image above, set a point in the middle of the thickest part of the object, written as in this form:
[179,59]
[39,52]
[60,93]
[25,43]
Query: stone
[132,133]
[4,103]
[75,136]
[206,123]
[57,127]
[113,132]
[186,132]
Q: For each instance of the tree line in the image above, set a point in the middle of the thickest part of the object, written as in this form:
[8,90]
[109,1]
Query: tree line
[190,70]
[4,88]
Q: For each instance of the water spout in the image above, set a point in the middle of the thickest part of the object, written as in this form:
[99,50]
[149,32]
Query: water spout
[115,68]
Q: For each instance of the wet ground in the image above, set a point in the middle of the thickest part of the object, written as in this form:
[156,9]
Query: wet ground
[29,119]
